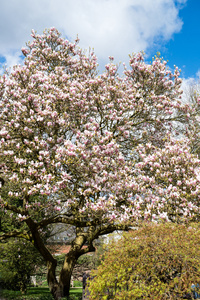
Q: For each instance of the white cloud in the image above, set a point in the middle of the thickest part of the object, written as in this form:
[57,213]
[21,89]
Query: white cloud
[189,85]
[198,74]
[111,27]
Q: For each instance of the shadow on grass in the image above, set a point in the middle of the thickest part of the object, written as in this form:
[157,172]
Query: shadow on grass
[38,290]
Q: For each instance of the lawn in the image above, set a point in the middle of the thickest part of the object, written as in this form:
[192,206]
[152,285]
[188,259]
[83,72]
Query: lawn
[38,293]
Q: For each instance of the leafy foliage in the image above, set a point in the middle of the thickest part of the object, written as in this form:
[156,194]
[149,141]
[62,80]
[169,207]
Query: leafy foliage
[18,260]
[157,261]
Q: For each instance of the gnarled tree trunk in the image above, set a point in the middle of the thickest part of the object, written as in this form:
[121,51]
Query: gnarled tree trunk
[70,260]
[52,280]
[66,273]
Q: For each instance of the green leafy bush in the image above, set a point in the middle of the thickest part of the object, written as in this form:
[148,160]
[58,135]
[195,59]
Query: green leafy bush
[152,262]
[18,260]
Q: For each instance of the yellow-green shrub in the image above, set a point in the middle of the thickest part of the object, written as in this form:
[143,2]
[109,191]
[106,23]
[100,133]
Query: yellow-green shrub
[156,261]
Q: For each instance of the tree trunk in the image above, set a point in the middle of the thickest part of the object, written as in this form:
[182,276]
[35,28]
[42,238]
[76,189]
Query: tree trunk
[52,281]
[66,273]
[70,260]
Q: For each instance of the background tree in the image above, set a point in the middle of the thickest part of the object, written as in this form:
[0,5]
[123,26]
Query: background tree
[18,257]
[157,261]
[18,261]
[69,144]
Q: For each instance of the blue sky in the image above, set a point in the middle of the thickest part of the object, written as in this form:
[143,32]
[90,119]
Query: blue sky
[183,49]
[111,27]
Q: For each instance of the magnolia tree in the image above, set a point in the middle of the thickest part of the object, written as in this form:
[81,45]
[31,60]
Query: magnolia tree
[72,148]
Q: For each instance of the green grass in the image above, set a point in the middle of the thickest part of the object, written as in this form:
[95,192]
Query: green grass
[78,283]
[38,293]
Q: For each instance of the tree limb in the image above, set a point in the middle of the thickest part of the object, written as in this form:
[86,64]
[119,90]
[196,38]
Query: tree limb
[15,233]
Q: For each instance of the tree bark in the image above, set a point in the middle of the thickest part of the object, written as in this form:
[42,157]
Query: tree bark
[52,281]
[66,273]
[70,260]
